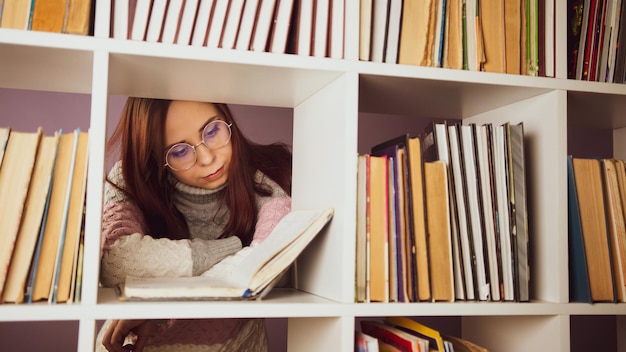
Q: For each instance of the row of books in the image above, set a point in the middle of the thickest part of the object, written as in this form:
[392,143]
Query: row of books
[443,216]
[597,233]
[42,198]
[512,36]
[596,50]
[409,335]
[57,16]
[304,27]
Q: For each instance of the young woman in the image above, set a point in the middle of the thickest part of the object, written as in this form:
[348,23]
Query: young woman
[189,190]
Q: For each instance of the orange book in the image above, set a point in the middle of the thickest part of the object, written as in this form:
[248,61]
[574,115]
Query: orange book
[49,15]
[513,36]
[453,37]
[414,32]
[492,19]
[379,229]
[439,234]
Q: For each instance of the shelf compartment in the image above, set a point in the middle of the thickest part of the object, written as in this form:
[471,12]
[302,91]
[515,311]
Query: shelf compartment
[437,99]
[63,64]
[195,75]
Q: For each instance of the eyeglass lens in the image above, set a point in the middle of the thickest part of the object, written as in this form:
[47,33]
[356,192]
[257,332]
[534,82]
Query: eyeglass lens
[182,156]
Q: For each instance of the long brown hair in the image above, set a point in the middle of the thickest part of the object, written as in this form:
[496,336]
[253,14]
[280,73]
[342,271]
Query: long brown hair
[139,138]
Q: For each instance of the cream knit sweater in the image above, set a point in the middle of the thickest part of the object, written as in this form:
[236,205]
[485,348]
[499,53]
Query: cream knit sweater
[128,250]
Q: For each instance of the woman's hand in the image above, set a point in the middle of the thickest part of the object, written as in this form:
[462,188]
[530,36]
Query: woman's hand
[115,338]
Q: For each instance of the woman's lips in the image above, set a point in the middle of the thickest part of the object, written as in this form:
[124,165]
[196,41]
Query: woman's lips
[216,175]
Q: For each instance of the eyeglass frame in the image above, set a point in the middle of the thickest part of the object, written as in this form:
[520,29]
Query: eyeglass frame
[193,147]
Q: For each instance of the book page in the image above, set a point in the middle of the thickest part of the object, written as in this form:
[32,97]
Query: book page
[288,230]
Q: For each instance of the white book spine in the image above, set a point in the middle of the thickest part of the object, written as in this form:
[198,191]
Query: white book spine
[473,207]
[262,28]
[486,189]
[379,30]
[233,23]
[172,21]
[321,28]
[248,20]
[140,19]
[281,26]
[393,32]
[202,23]
[156,20]
[455,161]
[186,22]
[502,199]
[120,19]
[305,28]
[337,28]
[217,23]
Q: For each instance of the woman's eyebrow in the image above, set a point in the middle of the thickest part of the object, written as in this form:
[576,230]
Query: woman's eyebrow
[201,129]
[211,119]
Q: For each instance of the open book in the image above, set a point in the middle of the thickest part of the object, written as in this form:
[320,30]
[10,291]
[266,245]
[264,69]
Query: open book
[249,274]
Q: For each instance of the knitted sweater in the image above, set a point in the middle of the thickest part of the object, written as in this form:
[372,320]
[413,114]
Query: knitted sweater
[127,249]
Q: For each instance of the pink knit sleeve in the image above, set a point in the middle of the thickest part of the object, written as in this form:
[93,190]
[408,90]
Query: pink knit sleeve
[269,215]
[120,219]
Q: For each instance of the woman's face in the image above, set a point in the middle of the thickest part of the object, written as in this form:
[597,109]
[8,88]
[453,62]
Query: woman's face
[185,123]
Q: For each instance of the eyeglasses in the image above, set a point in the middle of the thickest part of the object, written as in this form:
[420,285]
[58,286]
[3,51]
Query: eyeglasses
[182,156]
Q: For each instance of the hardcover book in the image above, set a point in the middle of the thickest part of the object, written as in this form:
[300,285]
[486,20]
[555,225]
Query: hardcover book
[48,16]
[362,245]
[15,175]
[589,188]
[66,257]
[485,172]
[38,195]
[519,208]
[379,231]
[436,147]
[45,259]
[617,229]
[475,226]
[439,238]
[460,202]
[393,336]
[16,13]
[248,274]
[78,18]
[398,234]
[403,156]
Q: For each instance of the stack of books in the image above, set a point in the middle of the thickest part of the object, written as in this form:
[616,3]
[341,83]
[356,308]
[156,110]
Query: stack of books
[57,16]
[597,234]
[514,36]
[443,216]
[42,198]
[285,26]
[406,334]
[595,40]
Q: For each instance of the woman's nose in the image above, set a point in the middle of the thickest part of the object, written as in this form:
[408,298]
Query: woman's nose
[204,154]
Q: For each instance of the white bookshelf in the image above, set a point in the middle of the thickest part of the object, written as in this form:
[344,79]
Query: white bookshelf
[322,93]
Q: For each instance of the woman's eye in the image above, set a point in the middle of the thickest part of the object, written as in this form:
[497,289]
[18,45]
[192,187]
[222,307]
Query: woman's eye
[179,151]
[211,130]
